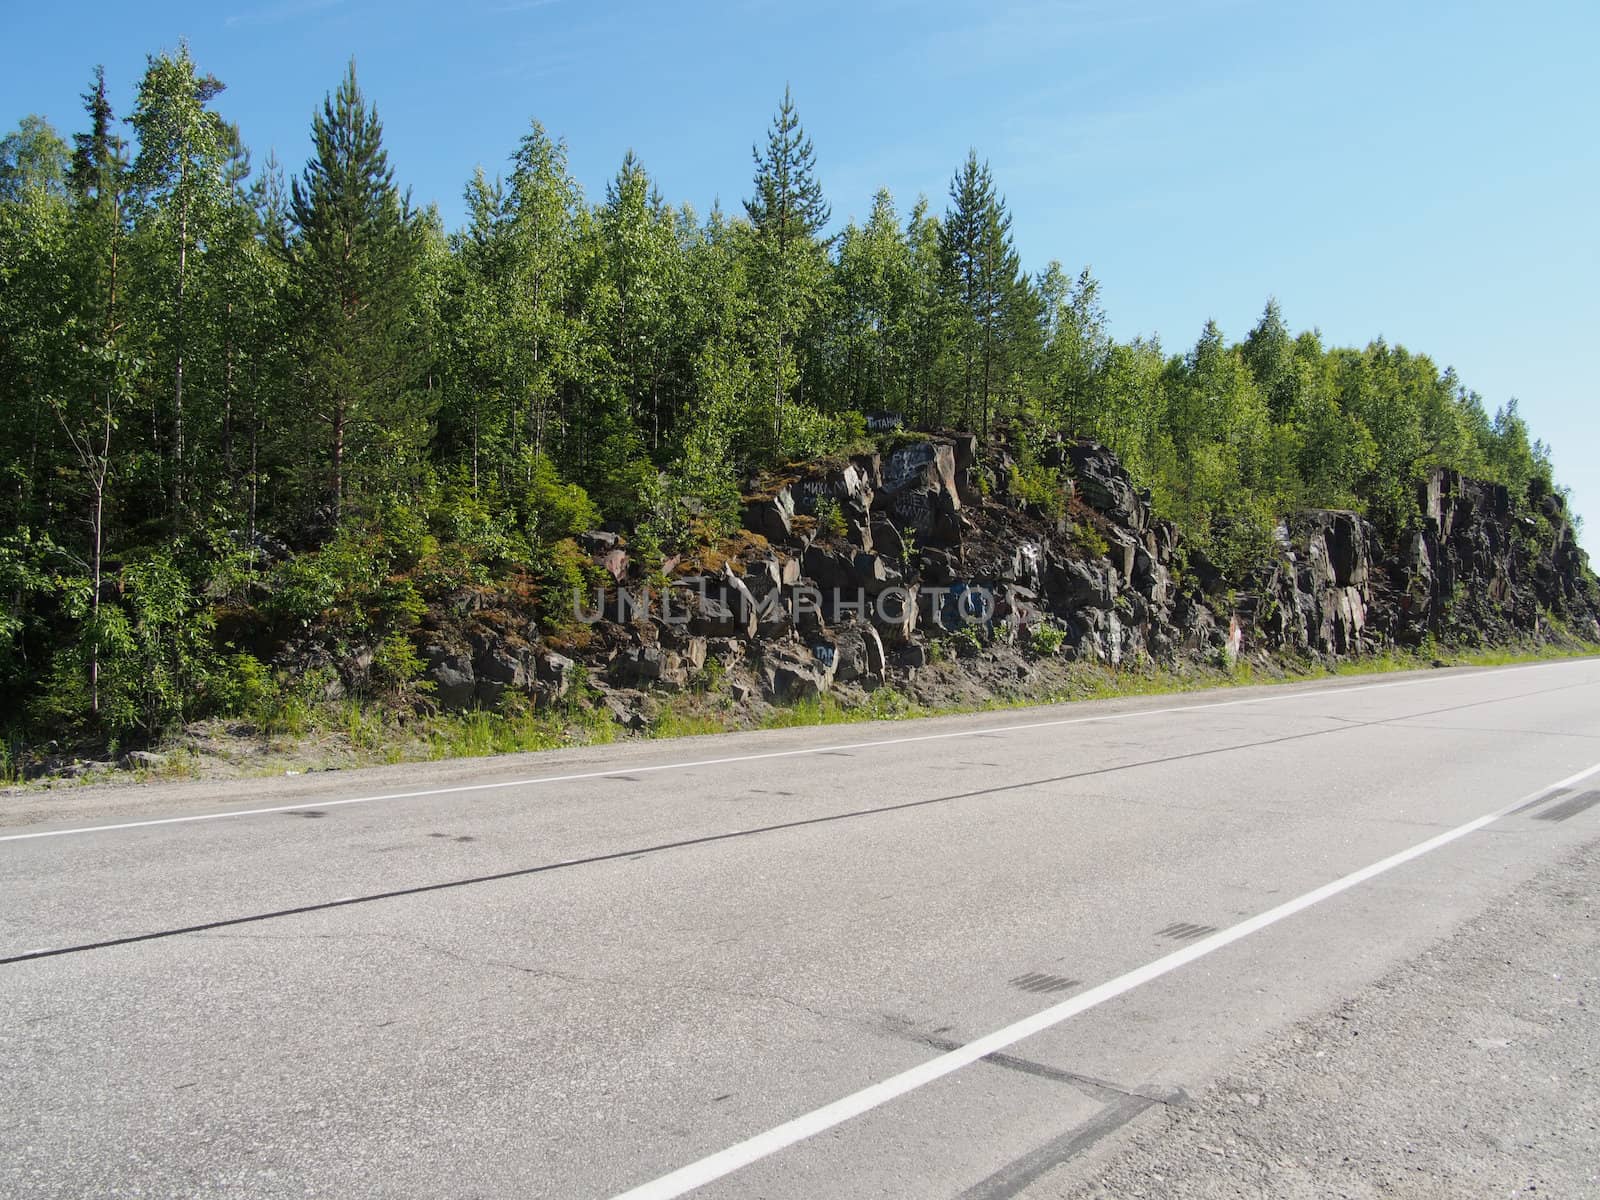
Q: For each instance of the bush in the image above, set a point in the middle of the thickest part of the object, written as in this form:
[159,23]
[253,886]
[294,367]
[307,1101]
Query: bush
[563,572]
[830,519]
[1090,540]
[396,665]
[553,510]
[1040,487]
[242,685]
[1045,641]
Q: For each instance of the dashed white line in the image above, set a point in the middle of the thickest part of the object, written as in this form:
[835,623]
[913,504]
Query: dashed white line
[725,1162]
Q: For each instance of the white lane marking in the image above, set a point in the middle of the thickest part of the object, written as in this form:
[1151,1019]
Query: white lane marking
[312,802]
[725,1162]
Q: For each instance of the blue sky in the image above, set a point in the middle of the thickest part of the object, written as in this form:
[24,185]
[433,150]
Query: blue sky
[1427,172]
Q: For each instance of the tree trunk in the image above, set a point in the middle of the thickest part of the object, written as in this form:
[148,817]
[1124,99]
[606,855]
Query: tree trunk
[177,379]
[338,464]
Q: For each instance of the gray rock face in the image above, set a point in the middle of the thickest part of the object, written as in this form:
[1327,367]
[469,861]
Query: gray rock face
[926,526]
[858,653]
[1317,598]
[1100,479]
[649,666]
[497,670]
[555,674]
[450,672]
[919,483]
[794,673]
[772,517]
[1464,569]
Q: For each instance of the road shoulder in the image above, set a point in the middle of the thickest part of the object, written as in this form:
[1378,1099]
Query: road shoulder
[1468,1071]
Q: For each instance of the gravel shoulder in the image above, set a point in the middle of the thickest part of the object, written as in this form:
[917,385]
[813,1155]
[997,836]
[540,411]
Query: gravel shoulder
[1472,1071]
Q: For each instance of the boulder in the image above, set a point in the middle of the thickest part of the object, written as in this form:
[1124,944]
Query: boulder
[886,538]
[1074,583]
[894,615]
[1100,479]
[496,669]
[791,673]
[450,672]
[721,607]
[554,674]
[771,516]
[858,653]
[649,666]
[136,760]
[967,473]
[921,466]
[920,488]
[873,573]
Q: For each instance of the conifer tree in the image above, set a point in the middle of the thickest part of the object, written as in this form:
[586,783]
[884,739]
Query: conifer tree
[787,214]
[354,257]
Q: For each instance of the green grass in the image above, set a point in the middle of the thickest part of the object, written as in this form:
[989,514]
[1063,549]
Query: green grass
[355,733]
[672,724]
[478,734]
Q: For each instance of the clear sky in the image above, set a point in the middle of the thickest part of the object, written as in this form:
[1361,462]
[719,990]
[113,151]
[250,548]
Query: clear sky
[1427,172]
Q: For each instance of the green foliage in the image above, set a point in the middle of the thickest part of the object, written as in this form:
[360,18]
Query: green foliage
[564,574]
[830,519]
[1090,540]
[350,585]
[965,642]
[396,665]
[137,666]
[1039,487]
[1045,641]
[242,685]
[556,510]
[242,408]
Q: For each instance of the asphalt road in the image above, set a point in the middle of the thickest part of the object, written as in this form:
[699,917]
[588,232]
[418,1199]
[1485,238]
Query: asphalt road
[980,956]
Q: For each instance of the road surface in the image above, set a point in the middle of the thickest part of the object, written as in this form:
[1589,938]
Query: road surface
[1011,954]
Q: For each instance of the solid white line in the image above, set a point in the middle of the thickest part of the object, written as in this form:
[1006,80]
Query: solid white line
[312,802]
[725,1162]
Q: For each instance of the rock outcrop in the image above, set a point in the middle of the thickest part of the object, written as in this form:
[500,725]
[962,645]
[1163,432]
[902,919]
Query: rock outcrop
[857,572]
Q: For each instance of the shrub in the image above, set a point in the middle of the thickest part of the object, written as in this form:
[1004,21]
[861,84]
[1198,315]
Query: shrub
[1045,641]
[830,519]
[553,510]
[242,685]
[1090,540]
[1040,487]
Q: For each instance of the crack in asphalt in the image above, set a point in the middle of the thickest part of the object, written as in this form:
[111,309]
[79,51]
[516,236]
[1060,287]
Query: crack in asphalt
[576,979]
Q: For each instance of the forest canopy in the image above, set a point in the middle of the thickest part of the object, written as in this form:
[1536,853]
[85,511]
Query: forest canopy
[241,401]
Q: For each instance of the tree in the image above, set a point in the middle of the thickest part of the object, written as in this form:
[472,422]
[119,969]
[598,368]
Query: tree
[354,257]
[983,273]
[1269,353]
[32,158]
[1076,347]
[545,205]
[787,214]
[873,314]
[640,267]
[89,409]
[178,178]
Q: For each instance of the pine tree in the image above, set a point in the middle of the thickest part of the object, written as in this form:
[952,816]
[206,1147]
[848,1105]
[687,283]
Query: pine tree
[354,256]
[787,214]
[983,273]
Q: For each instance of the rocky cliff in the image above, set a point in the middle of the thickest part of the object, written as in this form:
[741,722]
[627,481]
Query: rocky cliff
[861,571]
